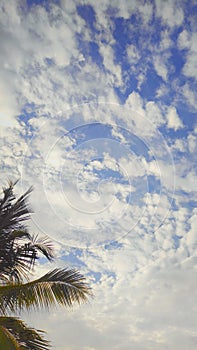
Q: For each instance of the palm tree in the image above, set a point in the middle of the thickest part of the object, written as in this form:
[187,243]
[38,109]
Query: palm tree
[19,252]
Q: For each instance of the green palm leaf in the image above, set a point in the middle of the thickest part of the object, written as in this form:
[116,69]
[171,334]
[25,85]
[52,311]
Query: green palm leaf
[42,245]
[18,249]
[18,253]
[13,212]
[16,259]
[56,287]
[7,340]
[15,335]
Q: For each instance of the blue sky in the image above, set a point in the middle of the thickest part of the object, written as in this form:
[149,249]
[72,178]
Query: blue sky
[98,112]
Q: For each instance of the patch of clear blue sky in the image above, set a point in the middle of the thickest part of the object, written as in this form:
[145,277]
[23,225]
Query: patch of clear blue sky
[90,49]
[94,131]
[88,14]
[73,257]
[154,184]
[43,3]
[96,275]
[132,32]
[151,84]
[109,174]
[28,112]
[49,61]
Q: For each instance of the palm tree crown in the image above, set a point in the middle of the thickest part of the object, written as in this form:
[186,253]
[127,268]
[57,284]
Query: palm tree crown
[19,252]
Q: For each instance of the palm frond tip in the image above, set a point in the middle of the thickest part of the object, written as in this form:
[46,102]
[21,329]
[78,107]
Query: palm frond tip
[63,287]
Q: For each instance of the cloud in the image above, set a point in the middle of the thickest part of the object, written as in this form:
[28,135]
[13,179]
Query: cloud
[140,312]
[191,235]
[190,95]
[9,107]
[161,67]
[184,40]
[154,113]
[106,195]
[135,102]
[133,54]
[173,120]
[190,67]
[41,72]
[108,61]
[180,145]
[192,143]
[170,13]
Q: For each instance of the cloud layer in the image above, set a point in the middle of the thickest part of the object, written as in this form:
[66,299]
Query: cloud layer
[98,111]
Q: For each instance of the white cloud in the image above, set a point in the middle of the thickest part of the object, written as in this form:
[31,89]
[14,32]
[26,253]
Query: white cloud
[173,119]
[133,54]
[190,95]
[146,10]
[118,135]
[170,12]
[187,183]
[142,311]
[141,78]
[147,112]
[135,102]
[108,61]
[190,67]
[184,40]
[180,145]
[144,289]
[30,79]
[191,235]
[192,142]
[161,67]
[165,42]
[162,90]
[154,114]
[187,41]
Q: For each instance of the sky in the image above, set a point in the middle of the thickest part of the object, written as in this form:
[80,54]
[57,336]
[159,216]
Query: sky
[98,113]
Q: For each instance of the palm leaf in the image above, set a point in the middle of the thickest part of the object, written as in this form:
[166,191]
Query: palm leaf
[18,249]
[15,335]
[7,340]
[13,214]
[18,254]
[16,260]
[60,286]
[43,245]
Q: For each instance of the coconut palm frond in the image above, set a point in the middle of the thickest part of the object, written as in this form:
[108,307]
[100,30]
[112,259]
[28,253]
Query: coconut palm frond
[59,286]
[18,253]
[15,335]
[43,245]
[16,260]
[7,340]
[13,212]
[25,255]
[14,274]
[19,234]
[8,195]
